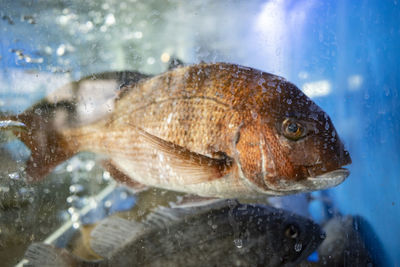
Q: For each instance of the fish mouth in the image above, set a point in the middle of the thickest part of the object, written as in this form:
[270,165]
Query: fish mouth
[7,125]
[313,183]
[326,180]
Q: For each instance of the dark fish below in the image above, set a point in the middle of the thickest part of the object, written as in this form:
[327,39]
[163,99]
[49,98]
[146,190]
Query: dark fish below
[215,130]
[223,234]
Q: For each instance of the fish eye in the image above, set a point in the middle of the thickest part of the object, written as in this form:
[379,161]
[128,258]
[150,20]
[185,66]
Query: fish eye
[293,129]
[292,231]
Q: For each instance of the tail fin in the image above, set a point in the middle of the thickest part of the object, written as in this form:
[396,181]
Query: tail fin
[39,128]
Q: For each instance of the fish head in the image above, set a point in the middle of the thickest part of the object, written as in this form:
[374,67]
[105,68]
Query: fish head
[289,144]
[286,238]
[295,237]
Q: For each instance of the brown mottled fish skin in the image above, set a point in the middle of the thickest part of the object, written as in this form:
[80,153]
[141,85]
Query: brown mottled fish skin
[209,129]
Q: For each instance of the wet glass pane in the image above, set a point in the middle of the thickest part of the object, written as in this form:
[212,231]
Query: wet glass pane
[162,133]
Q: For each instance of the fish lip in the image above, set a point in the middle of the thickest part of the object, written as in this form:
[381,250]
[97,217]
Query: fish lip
[12,125]
[329,179]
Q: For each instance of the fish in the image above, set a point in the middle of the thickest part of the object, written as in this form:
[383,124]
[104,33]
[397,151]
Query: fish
[211,129]
[225,233]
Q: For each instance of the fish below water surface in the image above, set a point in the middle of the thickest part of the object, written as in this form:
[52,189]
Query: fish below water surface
[229,235]
[215,130]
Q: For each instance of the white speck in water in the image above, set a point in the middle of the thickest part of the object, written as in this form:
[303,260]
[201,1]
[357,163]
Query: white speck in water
[75,217]
[89,165]
[238,243]
[317,88]
[76,188]
[165,57]
[72,199]
[354,82]
[108,204]
[303,75]
[14,175]
[106,176]
[69,168]
[137,35]
[71,210]
[76,225]
[151,60]
[61,50]
[110,19]
[123,195]
[298,247]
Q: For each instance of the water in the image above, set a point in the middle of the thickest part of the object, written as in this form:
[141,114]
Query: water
[343,54]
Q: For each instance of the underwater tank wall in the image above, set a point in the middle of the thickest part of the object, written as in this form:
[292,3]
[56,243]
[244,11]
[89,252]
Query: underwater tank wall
[342,54]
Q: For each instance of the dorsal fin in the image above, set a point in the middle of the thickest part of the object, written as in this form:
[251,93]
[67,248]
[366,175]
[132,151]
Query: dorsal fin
[111,234]
[174,62]
[45,255]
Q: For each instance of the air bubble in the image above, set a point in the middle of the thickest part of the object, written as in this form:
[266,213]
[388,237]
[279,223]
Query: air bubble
[298,247]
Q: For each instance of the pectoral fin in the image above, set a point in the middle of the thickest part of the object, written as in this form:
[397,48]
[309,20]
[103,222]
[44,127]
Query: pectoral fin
[193,167]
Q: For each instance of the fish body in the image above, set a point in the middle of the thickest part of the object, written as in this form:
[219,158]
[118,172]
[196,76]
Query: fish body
[229,235]
[216,130]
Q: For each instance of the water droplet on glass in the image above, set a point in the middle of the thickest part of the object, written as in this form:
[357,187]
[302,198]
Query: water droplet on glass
[71,210]
[14,175]
[76,188]
[110,19]
[254,115]
[61,50]
[123,195]
[75,217]
[238,243]
[106,176]
[89,165]
[151,60]
[72,199]
[108,204]
[298,247]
